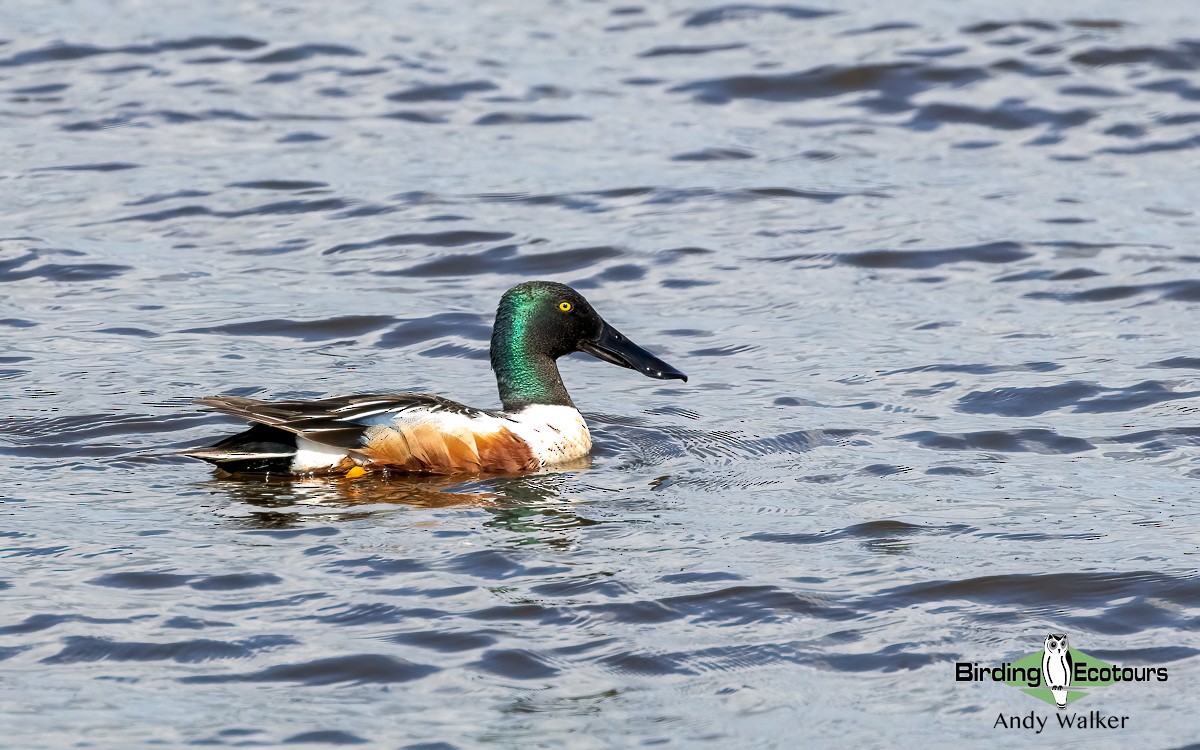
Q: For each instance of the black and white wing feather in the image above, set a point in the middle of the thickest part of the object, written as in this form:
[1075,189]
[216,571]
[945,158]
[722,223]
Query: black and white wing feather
[337,422]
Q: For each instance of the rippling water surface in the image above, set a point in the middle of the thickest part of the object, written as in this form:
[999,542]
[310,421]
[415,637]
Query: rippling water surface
[933,269]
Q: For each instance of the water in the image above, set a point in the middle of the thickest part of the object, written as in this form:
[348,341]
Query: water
[932,269]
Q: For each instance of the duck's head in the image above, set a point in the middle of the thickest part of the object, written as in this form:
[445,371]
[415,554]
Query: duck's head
[545,320]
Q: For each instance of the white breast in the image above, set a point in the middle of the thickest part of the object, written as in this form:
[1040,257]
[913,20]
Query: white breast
[555,433]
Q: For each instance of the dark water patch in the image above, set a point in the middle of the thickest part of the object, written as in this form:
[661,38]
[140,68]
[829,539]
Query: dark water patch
[34,551]
[881,28]
[177,117]
[1132,397]
[498,565]
[723,351]
[602,585]
[325,737]
[1102,92]
[1181,144]
[896,657]
[1096,23]
[456,351]
[345,326]
[304,52]
[39,622]
[1177,119]
[1025,68]
[235,581]
[74,429]
[290,185]
[1008,116]
[657,443]
[1055,593]
[1073,274]
[1181,87]
[452,238]
[151,581]
[377,613]
[280,208]
[991,252]
[419,117]
[1184,56]
[141,333]
[165,117]
[302,137]
[504,260]
[286,534]
[355,669]
[1139,656]
[956,471]
[437,326]
[16,323]
[714,154]
[109,166]
[528,613]
[950,51]
[283,208]
[142,580]
[675,50]
[824,196]
[1158,441]
[183,622]
[978,369]
[1027,402]
[1084,397]
[1035,536]
[11,270]
[160,197]
[526,118]
[895,83]
[179,212]
[1190,363]
[48,88]
[685,283]
[515,664]
[1030,440]
[366,209]
[644,664]
[710,577]
[8,652]
[452,92]
[991,27]
[445,642]
[869,531]
[747,11]
[377,567]
[738,606]
[291,601]
[90,649]
[60,52]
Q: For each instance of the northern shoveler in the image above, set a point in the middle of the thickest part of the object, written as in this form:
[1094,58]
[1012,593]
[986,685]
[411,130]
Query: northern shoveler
[536,323]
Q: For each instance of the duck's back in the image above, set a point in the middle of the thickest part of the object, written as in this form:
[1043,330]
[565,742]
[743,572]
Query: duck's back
[414,433]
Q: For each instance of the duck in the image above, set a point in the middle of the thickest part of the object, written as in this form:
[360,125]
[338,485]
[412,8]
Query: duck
[538,425]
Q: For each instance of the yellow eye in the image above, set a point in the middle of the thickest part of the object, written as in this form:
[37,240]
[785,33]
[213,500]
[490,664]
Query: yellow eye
[565,306]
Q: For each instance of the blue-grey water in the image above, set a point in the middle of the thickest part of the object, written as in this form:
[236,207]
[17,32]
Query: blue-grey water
[933,269]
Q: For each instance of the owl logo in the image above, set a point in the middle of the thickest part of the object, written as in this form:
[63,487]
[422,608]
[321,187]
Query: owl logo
[1057,667]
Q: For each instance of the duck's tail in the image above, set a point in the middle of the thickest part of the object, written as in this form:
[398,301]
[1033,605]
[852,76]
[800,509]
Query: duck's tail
[259,450]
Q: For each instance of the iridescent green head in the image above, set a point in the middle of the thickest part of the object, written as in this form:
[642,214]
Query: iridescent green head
[538,322]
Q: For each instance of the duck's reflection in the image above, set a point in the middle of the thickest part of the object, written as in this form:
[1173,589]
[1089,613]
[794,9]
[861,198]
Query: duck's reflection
[530,504]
